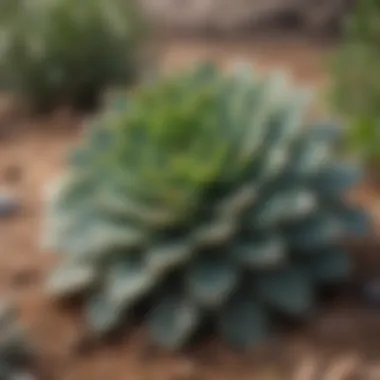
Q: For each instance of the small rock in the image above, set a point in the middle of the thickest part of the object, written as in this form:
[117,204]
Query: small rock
[9,205]
[371,292]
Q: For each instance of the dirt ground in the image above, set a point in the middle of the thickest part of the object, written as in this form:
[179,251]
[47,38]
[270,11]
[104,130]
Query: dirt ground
[341,344]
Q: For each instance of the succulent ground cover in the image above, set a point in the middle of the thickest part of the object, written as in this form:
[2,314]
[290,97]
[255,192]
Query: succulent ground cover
[210,197]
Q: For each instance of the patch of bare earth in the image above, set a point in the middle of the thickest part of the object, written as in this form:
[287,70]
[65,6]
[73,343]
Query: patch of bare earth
[340,344]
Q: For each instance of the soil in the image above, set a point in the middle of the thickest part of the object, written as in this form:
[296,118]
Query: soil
[341,343]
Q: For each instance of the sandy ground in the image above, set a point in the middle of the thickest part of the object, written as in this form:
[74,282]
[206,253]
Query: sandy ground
[342,342]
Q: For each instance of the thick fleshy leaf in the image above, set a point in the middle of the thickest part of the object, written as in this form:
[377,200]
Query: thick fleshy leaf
[210,280]
[101,237]
[274,163]
[70,280]
[80,159]
[316,232]
[237,203]
[243,322]
[117,204]
[69,191]
[325,134]
[290,291]
[261,253]
[314,148]
[330,266]
[269,100]
[160,259]
[103,316]
[285,206]
[336,179]
[173,320]
[214,234]
[62,226]
[355,220]
[127,280]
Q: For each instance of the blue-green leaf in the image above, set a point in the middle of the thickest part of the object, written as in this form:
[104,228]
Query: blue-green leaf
[214,234]
[356,221]
[70,280]
[100,237]
[127,280]
[284,207]
[329,266]
[261,253]
[316,232]
[103,316]
[164,257]
[314,148]
[210,280]
[243,322]
[289,290]
[173,320]
[336,179]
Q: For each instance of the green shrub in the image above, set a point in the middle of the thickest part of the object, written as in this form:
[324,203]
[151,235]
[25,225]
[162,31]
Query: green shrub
[210,198]
[67,51]
[356,82]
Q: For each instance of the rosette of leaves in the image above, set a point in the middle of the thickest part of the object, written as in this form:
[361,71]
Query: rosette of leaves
[67,52]
[16,354]
[355,82]
[208,197]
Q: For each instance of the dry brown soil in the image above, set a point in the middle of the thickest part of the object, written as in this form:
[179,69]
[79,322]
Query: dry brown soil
[341,343]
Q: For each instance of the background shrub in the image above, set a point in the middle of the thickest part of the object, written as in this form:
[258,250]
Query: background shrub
[68,51]
[356,80]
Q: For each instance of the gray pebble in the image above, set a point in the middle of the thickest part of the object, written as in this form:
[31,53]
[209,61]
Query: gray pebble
[9,205]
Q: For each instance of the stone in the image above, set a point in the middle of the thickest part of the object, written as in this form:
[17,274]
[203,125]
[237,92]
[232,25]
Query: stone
[9,205]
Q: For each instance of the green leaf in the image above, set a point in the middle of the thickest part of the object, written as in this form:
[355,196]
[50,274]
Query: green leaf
[210,280]
[315,148]
[237,203]
[285,206]
[329,266]
[114,203]
[243,322]
[173,320]
[127,280]
[318,231]
[103,316]
[214,234]
[160,259]
[100,237]
[261,253]
[356,221]
[336,179]
[70,280]
[290,291]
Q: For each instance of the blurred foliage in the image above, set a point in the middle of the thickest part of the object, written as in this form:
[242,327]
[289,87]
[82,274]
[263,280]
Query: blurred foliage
[356,80]
[67,51]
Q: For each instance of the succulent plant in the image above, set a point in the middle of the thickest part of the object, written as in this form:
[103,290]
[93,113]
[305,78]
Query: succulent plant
[16,355]
[355,83]
[66,52]
[207,197]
